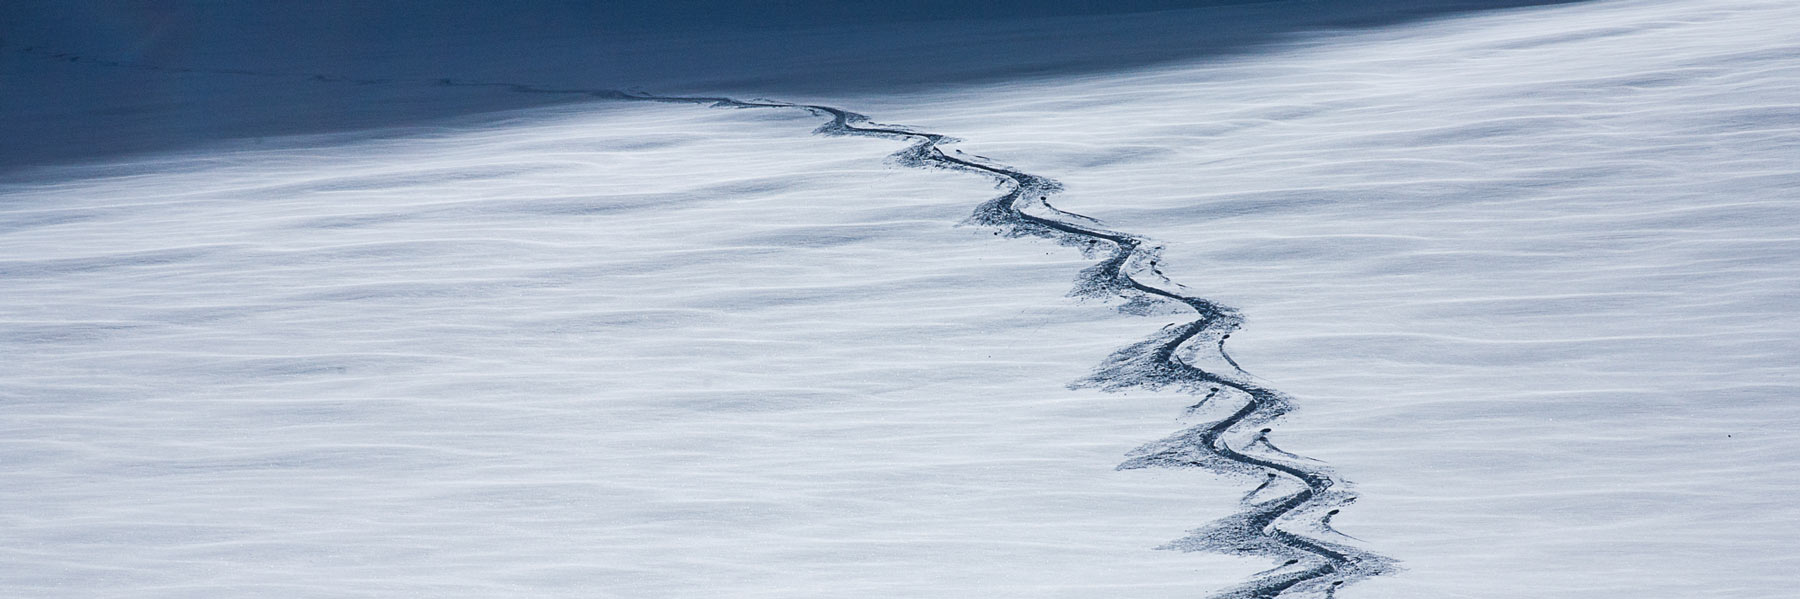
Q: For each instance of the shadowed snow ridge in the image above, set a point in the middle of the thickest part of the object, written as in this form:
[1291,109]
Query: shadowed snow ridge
[1293,527]
[792,48]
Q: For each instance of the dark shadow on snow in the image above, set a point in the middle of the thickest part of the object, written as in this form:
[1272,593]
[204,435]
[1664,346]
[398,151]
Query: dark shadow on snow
[91,80]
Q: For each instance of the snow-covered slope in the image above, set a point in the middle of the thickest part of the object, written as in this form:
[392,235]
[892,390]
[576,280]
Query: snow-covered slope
[1531,277]
[663,351]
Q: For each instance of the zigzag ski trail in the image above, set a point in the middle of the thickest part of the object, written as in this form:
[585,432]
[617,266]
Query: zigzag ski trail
[1293,527]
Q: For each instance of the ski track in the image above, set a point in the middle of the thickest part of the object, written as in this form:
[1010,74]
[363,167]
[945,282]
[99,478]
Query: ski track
[1310,564]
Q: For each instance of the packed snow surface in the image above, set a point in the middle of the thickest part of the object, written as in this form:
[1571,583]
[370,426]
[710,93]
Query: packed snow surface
[1530,275]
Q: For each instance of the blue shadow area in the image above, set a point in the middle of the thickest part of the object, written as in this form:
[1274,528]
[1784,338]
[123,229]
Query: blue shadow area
[87,81]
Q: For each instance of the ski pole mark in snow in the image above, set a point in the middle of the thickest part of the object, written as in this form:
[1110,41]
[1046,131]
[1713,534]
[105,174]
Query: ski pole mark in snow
[1263,528]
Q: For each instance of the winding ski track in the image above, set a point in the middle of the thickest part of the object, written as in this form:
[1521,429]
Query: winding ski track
[1313,565]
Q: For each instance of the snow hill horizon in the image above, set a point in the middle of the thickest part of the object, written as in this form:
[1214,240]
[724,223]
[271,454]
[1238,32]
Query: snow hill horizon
[1416,298]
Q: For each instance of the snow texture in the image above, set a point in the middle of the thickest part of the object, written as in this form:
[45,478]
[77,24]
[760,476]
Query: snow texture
[1528,276]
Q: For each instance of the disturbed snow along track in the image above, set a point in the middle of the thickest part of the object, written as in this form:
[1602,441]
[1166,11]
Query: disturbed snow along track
[1291,525]
[1267,527]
